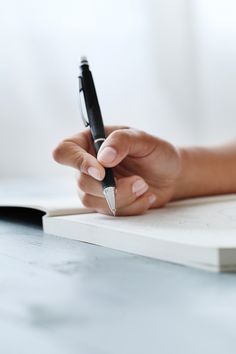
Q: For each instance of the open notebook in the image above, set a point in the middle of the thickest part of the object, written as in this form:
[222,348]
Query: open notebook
[198,232]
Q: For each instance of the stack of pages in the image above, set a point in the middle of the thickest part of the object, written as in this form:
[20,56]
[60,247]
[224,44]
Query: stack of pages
[198,232]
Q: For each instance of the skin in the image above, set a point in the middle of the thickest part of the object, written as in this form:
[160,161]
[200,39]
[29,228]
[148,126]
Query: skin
[149,171]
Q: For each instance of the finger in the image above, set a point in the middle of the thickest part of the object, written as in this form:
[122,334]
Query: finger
[128,189]
[139,206]
[89,185]
[73,152]
[84,138]
[123,142]
[76,151]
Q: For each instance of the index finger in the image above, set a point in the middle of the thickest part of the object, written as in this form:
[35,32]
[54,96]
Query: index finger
[77,152]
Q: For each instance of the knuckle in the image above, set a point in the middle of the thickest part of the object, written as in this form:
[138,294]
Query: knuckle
[85,200]
[127,133]
[118,134]
[59,151]
[81,182]
[80,161]
[119,137]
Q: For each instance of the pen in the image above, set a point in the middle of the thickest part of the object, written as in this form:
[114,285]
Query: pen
[89,98]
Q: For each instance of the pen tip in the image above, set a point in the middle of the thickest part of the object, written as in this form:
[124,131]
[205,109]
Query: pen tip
[109,193]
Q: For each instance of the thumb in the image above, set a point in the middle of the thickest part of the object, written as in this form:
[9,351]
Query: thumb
[125,142]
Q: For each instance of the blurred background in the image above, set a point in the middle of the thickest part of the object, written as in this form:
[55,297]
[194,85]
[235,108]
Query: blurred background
[165,66]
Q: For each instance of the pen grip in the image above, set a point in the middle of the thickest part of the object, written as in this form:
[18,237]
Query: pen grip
[108,180]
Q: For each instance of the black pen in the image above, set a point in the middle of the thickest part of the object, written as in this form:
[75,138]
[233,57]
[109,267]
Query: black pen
[95,122]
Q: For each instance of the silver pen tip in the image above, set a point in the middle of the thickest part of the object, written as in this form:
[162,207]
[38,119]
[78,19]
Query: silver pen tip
[110,196]
[113,212]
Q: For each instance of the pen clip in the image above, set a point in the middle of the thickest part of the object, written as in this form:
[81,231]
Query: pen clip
[82,103]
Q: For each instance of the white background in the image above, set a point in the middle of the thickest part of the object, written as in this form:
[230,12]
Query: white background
[165,66]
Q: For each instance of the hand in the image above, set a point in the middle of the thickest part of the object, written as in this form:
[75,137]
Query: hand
[146,169]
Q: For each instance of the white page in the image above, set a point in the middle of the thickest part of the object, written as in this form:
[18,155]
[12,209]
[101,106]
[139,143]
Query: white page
[54,197]
[207,222]
[199,232]
[52,207]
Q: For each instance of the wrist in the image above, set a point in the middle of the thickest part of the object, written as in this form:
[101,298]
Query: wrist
[183,180]
[195,177]
[205,171]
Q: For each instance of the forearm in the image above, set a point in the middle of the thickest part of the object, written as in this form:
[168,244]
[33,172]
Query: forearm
[206,171]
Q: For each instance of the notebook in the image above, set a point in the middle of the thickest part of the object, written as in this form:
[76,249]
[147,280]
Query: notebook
[199,232]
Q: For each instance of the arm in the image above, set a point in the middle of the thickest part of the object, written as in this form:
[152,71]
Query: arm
[206,171]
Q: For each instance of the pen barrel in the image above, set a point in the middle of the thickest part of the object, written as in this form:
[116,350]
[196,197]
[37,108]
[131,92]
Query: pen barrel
[108,180]
[92,105]
[95,119]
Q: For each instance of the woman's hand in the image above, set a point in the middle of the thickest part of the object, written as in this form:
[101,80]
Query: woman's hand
[146,169]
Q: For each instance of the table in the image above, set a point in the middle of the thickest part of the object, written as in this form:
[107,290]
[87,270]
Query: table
[65,297]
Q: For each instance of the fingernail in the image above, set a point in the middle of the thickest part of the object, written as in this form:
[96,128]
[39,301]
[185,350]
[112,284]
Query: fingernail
[139,187]
[107,155]
[152,198]
[94,172]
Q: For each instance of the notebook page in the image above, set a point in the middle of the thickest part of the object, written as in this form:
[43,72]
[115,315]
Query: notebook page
[54,197]
[210,223]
